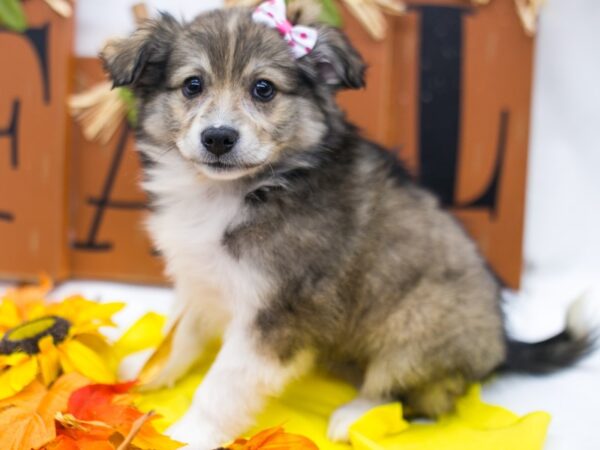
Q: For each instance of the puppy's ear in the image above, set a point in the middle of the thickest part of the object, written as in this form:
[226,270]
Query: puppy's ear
[334,61]
[140,59]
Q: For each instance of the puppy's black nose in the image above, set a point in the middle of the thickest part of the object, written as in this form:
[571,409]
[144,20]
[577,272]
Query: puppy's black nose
[220,140]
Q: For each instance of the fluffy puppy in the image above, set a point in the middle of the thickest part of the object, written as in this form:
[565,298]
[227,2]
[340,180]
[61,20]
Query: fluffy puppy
[299,239]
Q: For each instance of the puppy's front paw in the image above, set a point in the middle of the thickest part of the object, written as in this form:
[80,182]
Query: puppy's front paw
[343,417]
[197,433]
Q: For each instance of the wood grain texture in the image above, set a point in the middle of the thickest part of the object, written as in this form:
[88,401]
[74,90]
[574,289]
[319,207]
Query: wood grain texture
[35,79]
[494,102]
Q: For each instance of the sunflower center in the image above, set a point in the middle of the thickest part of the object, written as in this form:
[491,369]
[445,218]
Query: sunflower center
[26,337]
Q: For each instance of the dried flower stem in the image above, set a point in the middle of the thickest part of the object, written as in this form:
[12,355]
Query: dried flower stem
[61,7]
[135,429]
[529,11]
[100,110]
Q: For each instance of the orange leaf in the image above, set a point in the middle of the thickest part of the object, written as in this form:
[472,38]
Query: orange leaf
[91,444]
[28,398]
[60,392]
[274,439]
[148,438]
[27,294]
[68,443]
[61,443]
[99,411]
[120,417]
[29,428]
[30,414]
[86,430]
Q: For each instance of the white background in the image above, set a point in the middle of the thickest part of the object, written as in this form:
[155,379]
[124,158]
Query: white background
[562,242]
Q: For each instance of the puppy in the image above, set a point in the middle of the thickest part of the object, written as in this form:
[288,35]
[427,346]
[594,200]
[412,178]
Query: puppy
[299,239]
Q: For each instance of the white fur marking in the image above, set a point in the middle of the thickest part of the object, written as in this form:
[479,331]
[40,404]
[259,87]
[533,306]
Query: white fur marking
[234,390]
[193,213]
[581,320]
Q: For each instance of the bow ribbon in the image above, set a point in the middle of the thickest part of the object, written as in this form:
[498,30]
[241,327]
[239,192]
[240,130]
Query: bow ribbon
[300,39]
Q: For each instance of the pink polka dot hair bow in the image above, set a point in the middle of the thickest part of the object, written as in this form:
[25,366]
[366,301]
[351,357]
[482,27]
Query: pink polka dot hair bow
[301,39]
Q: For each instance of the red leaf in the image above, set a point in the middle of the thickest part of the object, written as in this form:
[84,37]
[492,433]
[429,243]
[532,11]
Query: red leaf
[98,412]
[84,402]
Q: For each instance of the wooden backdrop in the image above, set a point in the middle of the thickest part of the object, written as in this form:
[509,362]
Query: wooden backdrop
[448,90]
[35,74]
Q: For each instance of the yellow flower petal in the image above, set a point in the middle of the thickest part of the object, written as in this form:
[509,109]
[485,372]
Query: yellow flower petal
[103,312]
[65,363]
[22,374]
[17,378]
[35,310]
[75,356]
[48,360]
[14,358]
[98,344]
[86,315]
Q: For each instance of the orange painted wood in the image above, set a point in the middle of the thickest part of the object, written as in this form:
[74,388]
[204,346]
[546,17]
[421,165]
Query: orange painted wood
[497,71]
[107,204]
[35,73]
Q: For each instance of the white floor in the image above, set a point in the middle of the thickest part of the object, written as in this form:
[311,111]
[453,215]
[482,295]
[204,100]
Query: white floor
[572,396]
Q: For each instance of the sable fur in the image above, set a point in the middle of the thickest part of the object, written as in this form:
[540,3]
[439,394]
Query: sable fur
[315,246]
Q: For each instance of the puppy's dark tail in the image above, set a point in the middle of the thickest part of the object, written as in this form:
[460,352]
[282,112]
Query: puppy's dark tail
[563,350]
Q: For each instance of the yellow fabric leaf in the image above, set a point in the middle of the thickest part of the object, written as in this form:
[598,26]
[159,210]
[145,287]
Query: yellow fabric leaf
[474,426]
[148,438]
[77,357]
[172,402]
[159,358]
[380,422]
[306,405]
[144,334]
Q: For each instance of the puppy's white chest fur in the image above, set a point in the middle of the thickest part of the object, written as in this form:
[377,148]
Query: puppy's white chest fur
[188,226]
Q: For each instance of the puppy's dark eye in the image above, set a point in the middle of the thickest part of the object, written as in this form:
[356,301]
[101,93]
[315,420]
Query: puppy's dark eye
[192,87]
[263,90]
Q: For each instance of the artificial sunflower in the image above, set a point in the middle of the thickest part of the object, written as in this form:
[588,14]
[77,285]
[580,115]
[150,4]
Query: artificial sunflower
[41,340]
